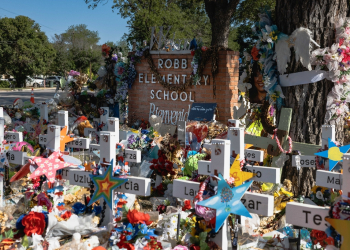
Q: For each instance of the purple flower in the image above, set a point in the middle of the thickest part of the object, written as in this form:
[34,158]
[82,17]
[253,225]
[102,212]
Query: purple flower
[131,139]
[74,73]
[339,51]
[115,57]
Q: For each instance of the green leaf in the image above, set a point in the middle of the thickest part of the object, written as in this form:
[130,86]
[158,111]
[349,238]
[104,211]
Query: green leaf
[203,245]
[25,241]
[203,236]
[9,234]
[126,209]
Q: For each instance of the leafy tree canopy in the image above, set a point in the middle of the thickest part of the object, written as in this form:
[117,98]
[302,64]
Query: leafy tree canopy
[24,48]
[187,18]
[77,48]
[246,14]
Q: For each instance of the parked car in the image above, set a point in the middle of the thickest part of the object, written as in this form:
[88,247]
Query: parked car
[56,80]
[38,78]
[32,82]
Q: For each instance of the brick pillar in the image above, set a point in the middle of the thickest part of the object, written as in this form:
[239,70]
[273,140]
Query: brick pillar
[141,93]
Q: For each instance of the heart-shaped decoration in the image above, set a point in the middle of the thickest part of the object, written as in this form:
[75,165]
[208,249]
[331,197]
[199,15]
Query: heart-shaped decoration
[2,160]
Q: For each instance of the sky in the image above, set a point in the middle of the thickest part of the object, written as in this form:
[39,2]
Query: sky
[55,16]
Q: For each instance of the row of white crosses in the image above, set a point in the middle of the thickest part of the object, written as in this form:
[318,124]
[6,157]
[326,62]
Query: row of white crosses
[108,141]
[260,204]
[15,157]
[312,216]
[255,203]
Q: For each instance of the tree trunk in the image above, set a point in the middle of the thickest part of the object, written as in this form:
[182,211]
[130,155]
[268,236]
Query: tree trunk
[309,100]
[20,80]
[220,13]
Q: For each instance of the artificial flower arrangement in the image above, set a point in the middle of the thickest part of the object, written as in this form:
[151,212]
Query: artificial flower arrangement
[336,60]
[135,233]
[142,140]
[162,166]
[322,196]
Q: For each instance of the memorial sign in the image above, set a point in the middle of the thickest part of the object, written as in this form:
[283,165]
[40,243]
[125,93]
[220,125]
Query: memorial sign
[173,100]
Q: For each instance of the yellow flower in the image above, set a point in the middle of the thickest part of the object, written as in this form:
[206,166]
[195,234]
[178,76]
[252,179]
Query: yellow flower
[314,188]
[194,219]
[242,93]
[274,97]
[273,36]
[193,231]
[203,226]
[289,194]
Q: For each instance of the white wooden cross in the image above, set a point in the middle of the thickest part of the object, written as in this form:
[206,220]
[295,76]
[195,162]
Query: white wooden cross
[44,112]
[255,203]
[311,216]
[104,117]
[188,189]
[284,125]
[63,118]
[328,131]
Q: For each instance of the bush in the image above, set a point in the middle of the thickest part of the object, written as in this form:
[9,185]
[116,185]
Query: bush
[4,84]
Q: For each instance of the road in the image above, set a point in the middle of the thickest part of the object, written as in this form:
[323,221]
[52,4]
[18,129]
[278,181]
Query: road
[40,95]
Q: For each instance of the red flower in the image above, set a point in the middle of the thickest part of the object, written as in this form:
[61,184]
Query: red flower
[187,205]
[330,241]
[105,49]
[35,180]
[66,215]
[255,54]
[60,208]
[34,223]
[124,244]
[193,247]
[161,209]
[153,244]
[59,193]
[135,217]
[121,202]
[319,235]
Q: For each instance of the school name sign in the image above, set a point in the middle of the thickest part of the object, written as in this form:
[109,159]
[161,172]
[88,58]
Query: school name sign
[149,97]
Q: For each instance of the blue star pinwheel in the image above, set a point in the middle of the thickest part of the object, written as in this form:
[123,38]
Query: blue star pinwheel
[334,154]
[105,184]
[227,201]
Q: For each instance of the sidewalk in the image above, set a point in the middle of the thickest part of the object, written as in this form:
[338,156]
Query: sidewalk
[26,89]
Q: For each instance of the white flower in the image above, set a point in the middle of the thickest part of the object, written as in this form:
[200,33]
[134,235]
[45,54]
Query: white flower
[38,209]
[244,86]
[319,195]
[334,75]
